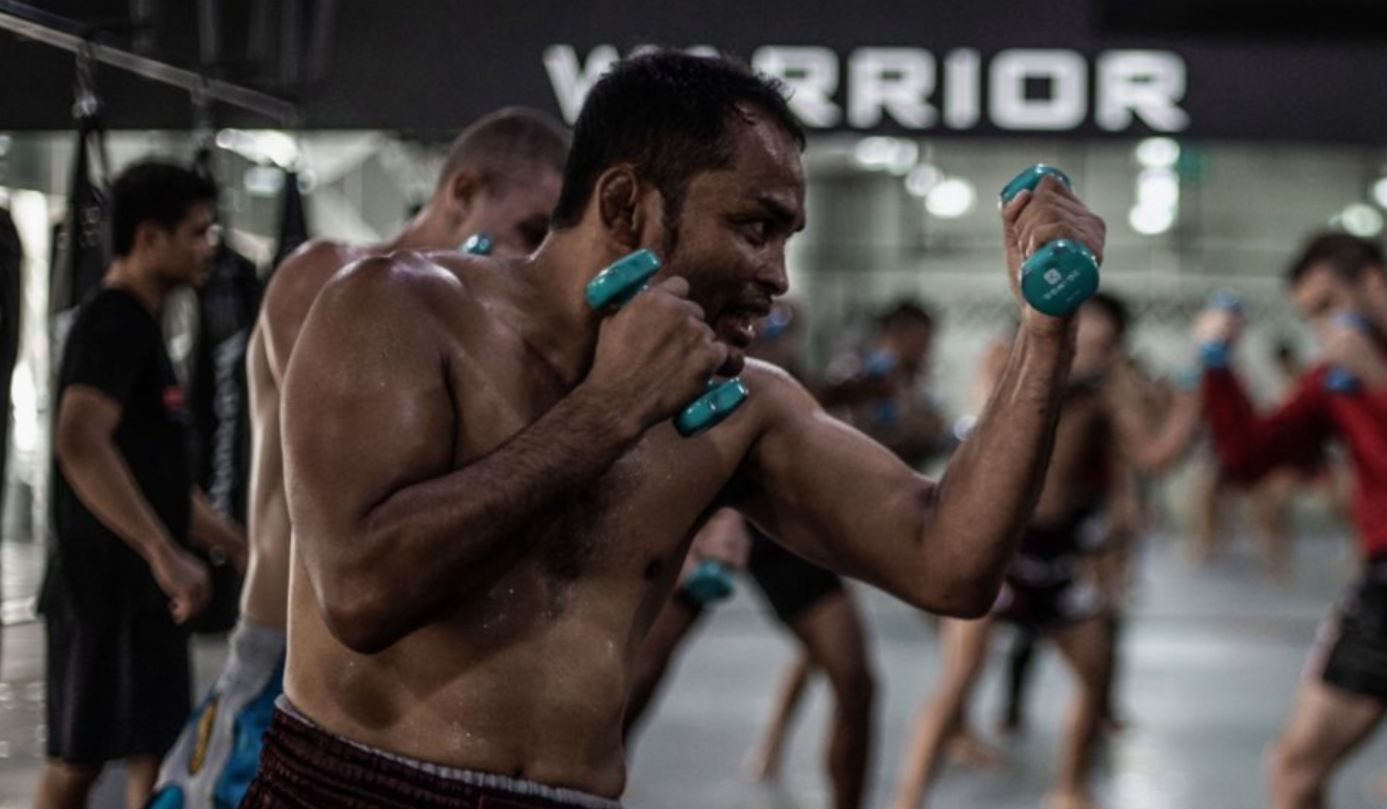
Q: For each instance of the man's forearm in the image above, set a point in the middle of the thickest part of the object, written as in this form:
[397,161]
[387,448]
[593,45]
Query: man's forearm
[208,529]
[990,489]
[424,544]
[106,486]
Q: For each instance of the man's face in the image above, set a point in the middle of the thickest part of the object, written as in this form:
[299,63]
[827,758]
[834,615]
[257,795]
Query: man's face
[913,340]
[517,218]
[1321,293]
[734,227]
[1096,346]
[183,254]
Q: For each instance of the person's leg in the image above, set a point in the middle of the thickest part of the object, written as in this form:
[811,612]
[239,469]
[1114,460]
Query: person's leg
[64,786]
[1018,671]
[140,774]
[1206,522]
[1326,724]
[764,761]
[833,635]
[1085,645]
[673,624]
[1270,508]
[963,648]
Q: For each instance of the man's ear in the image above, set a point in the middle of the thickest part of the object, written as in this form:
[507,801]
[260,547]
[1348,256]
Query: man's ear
[618,193]
[464,189]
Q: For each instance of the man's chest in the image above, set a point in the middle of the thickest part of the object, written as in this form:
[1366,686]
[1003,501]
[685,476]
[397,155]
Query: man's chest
[635,512]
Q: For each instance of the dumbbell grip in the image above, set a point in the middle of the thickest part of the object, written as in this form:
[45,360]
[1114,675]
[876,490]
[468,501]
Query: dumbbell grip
[623,280]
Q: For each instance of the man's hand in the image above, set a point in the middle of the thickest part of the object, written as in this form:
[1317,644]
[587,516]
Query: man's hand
[723,539]
[1218,324]
[1033,219]
[1352,348]
[184,579]
[655,355]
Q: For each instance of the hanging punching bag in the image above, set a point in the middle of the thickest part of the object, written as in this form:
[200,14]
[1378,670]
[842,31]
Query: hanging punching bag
[227,304]
[293,219]
[82,249]
[11,266]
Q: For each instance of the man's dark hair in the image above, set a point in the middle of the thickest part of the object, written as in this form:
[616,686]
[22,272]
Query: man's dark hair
[1114,309]
[1346,256]
[506,146]
[154,191]
[905,313]
[666,113]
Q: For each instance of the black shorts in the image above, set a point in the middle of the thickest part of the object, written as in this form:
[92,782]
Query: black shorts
[1357,655]
[1046,607]
[790,584]
[302,765]
[1044,589]
[118,684]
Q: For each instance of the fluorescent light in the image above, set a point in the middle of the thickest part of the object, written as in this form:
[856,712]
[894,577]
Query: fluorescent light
[950,198]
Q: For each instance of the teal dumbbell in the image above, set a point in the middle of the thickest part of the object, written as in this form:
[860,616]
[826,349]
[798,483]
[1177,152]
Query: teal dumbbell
[1342,380]
[478,244]
[619,283]
[1062,274]
[709,582]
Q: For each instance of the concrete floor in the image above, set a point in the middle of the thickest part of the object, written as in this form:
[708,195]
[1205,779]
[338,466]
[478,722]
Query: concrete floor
[1212,658]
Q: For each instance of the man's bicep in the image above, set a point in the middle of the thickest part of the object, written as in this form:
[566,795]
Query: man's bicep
[365,402]
[827,491]
[86,411]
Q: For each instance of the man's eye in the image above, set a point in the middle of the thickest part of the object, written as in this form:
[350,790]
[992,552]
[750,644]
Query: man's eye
[757,231]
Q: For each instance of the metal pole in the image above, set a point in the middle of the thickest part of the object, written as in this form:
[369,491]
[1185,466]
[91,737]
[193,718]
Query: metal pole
[21,19]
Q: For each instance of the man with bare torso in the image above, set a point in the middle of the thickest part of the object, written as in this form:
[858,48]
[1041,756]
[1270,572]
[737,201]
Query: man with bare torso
[498,183]
[488,500]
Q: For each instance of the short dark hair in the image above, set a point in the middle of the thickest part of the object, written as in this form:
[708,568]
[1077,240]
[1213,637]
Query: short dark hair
[666,113]
[507,145]
[1346,256]
[1114,309]
[905,313]
[154,191]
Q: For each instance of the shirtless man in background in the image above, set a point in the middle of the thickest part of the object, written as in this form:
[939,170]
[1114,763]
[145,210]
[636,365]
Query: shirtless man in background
[1097,439]
[490,505]
[499,181]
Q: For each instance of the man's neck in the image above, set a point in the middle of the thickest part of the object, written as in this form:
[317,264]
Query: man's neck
[138,280]
[561,327]
[430,229]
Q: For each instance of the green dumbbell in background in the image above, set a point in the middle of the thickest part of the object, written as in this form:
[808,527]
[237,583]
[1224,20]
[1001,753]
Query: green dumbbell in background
[1062,274]
[623,280]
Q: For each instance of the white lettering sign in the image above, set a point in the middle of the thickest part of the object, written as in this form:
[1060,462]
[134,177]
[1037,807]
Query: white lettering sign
[1031,90]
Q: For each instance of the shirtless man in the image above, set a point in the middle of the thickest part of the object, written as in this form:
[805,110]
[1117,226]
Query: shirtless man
[490,505]
[1097,437]
[500,179]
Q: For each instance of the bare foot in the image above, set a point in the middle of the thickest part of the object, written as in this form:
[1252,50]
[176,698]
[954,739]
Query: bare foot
[967,750]
[1381,791]
[1067,799]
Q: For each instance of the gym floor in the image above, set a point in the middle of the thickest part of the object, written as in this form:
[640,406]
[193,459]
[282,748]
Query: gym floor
[1212,658]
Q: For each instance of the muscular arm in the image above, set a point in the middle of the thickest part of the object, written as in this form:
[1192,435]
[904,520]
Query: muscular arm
[389,528]
[86,450]
[837,497]
[1249,445]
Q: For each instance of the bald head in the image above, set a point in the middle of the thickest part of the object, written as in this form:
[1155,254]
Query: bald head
[501,178]
[509,145]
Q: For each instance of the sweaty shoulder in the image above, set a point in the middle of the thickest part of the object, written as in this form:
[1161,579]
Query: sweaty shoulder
[402,285]
[777,398]
[298,279]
